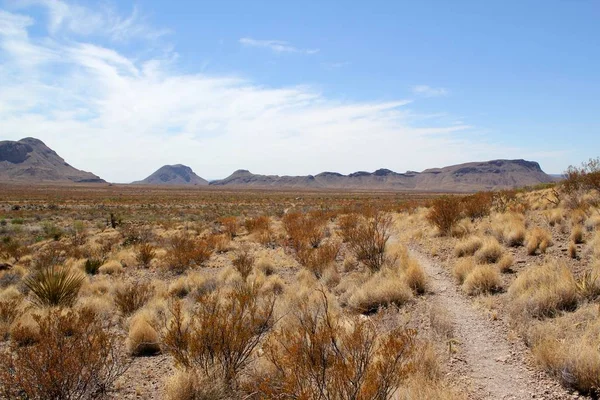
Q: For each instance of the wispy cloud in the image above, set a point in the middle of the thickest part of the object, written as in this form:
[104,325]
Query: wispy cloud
[122,116]
[428,91]
[74,19]
[277,46]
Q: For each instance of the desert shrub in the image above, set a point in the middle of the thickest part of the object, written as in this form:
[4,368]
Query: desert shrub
[92,265]
[467,247]
[588,284]
[382,289]
[368,240]
[10,309]
[54,286]
[220,334]
[131,296]
[258,224]
[51,231]
[444,213]
[184,251]
[477,205]
[490,252]
[229,226]
[51,255]
[318,259]
[333,358]
[347,223]
[146,252]
[244,262]
[482,279]
[586,177]
[12,248]
[537,239]
[303,230]
[544,290]
[76,357]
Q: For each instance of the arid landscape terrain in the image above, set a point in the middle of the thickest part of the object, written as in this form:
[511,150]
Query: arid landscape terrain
[156,292]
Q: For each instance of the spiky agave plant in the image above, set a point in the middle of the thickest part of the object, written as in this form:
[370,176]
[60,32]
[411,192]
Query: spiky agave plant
[54,286]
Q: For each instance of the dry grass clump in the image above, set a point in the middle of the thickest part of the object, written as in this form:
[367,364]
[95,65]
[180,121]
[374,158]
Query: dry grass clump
[189,385]
[112,267]
[567,347]
[505,263]
[482,279]
[543,291]
[441,322]
[467,247]
[146,252]
[11,301]
[76,357]
[382,289]
[572,251]
[490,252]
[509,229]
[577,234]
[143,339]
[554,216]
[414,275]
[462,268]
[537,239]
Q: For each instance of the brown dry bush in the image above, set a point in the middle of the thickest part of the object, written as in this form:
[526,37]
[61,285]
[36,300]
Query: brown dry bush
[333,358]
[244,262]
[318,259]
[347,223]
[131,296]
[146,252]
[477,205]
[76,357]
[368,240]
[258,224]
[444,213]
[303,230]
[184,251]
[229,226]
[221,332]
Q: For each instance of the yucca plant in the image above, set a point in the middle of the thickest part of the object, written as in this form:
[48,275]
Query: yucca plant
[54,286]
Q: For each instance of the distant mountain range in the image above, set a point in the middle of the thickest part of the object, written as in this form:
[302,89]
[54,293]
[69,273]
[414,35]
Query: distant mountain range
[173,175]
[30,160]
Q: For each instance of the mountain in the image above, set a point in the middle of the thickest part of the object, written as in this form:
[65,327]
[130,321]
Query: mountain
[30,160]
[173,175]
[487,175]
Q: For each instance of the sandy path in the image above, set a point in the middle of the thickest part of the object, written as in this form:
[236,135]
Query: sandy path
[496,367]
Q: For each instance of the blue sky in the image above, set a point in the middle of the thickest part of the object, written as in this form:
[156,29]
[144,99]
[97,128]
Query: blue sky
[121,88]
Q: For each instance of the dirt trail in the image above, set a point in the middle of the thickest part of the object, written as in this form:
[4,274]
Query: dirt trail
[496,367]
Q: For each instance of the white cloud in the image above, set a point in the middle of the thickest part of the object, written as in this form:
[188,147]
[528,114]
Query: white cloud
[122,118]
[70,18]
[428,91]
[278,46]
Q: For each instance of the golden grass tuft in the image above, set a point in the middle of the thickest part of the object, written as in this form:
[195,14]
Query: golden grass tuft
[414,276]
[537,239]
[381,290]
[112,267]
[482,279]
[188,385]
[143,340]
[490,252]
[467,247]
[577,234]
[462,268]
[505,263]
[543,291]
